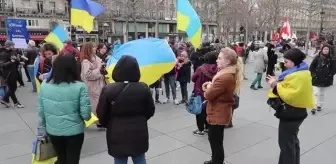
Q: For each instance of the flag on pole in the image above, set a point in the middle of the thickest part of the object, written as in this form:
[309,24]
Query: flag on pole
[57,37]
[83,13]
[286,32]
[189,21]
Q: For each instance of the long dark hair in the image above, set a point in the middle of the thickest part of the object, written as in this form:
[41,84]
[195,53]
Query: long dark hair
[64,70]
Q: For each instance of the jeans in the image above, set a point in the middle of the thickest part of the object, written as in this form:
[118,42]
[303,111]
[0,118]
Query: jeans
[169,83]
[257,79]
[26,72]
[184,91]
[288,142]
[136,160]
[216,137]
[30,69]
[67,148]
[319,93]
[201,120]
[12,87]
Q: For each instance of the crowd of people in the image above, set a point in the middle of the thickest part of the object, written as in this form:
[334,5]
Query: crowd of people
[73,85]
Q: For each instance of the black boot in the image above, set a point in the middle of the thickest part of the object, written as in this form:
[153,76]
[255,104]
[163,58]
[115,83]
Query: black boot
[253,87]
[208,162]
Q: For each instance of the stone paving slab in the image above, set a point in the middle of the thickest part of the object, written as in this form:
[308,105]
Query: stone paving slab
[253,139]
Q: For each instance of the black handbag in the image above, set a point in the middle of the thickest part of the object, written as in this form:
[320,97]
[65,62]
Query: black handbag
[285,111]
[236,102]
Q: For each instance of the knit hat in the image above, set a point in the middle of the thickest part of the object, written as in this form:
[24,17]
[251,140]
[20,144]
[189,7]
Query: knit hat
[295,55]
[9,43]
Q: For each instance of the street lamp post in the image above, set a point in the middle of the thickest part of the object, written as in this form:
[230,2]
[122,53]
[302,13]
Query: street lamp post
[105,25]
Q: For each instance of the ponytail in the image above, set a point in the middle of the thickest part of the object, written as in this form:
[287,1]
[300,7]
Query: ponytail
[239,75]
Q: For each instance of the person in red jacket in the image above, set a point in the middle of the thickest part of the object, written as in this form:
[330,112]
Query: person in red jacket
[70,49]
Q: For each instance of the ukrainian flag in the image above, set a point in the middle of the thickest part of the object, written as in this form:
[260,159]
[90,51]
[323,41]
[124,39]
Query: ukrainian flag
[57,37]
[189,21]
[83,13]
[155,58]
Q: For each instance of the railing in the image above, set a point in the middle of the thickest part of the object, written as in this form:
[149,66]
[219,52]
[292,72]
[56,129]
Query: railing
[7,10]
[44,12]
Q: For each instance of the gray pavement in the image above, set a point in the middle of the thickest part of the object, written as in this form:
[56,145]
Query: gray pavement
[252,140]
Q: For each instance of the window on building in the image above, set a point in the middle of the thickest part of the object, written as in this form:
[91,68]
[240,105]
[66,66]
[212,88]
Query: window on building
[2,5]
[40,6]
[32,23]
[52,6]
[66,8]
[2,24]
[161,15]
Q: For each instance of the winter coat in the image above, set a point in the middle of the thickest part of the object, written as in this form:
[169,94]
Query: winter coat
[184,73]
[69,49]
[323,69]
[124,108]
[94,80]
[220,97]
[32,53]
[9,68]
[203,74]
[260,61]
[62,108]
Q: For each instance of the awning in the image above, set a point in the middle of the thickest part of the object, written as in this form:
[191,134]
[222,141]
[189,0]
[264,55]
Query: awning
[32,37]
[37,37]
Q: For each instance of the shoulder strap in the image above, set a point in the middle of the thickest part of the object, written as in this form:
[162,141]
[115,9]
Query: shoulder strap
[116,97]
[42,65]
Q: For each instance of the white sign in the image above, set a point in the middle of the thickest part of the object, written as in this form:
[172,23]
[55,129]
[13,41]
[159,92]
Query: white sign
[20,42]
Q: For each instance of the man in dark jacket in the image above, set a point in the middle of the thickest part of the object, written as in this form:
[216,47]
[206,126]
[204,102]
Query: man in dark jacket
[272,59]
[31,53]
[10,62]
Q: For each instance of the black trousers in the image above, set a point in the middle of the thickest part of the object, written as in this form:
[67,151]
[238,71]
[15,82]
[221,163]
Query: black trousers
[184,91]
[68,148]
[12,87]
[288,142]
[216,137]
[201,120]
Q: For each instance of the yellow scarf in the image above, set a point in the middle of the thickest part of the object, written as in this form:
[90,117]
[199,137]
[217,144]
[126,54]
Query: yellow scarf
[296,90]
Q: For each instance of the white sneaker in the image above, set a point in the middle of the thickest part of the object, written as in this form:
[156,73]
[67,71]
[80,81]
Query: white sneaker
[176,102]
[166,101]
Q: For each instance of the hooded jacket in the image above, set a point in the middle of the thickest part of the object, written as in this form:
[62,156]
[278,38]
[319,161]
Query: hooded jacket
[203,74]
[323,69]
[124,108]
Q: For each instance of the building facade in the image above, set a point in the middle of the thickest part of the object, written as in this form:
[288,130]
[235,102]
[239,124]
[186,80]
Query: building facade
[142,19]
[40,16]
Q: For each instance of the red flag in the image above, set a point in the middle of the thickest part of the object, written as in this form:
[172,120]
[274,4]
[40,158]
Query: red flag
[286,31]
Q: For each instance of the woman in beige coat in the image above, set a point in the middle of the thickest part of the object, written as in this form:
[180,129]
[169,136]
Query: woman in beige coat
[92,73]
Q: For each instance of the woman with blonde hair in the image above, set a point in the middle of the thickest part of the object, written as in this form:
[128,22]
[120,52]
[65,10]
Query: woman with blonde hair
[220,96]
[92,73]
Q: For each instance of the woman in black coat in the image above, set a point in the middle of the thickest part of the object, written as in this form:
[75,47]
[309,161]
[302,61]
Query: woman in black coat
[124,108]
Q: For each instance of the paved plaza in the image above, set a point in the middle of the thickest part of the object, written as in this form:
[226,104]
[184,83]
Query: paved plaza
[253,140]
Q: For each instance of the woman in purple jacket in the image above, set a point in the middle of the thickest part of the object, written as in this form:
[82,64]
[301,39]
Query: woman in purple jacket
[203,74]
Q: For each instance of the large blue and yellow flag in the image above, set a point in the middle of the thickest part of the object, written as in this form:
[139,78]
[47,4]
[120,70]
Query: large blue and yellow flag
[155,58]
[189,21]
[83,13]
[57,37]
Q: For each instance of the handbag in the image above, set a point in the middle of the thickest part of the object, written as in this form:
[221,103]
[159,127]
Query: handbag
[194,104]
[236,101]
[285,111]
[44,149]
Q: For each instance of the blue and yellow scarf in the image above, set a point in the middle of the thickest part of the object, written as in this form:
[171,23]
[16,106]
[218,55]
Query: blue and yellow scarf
[294,87]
